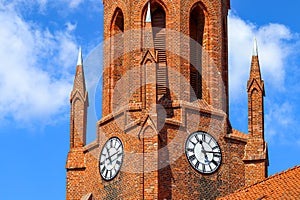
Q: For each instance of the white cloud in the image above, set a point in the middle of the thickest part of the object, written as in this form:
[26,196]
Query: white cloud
[70,26]
[74,3]
[34,71]
[273,49]
[42,4]
[281,124]
[280,114]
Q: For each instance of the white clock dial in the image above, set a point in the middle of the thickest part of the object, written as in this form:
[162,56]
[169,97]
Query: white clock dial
[203,152]
[111,158]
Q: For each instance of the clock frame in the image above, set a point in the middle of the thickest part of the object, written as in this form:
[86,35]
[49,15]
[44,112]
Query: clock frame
[203,152]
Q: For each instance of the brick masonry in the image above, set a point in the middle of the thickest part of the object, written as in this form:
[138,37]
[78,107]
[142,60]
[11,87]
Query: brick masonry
[153,128]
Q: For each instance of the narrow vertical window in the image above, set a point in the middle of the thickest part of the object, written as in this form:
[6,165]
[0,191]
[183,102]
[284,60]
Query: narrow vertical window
[116,56]
[197,23]
[117,31]
[158,21]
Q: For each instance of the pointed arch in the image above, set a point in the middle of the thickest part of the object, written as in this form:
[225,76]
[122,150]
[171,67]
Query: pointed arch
[196,32]
[156,5]
[158,23]
[116,52]
[117,45]
[117,24]
[158,16]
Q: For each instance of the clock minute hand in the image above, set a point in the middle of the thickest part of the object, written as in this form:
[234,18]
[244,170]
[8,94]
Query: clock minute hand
[116,157]
[203,151]
[113,155]
[209,151]
[202,148]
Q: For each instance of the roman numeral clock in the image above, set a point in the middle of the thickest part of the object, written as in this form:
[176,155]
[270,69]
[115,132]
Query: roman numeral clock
[111,158]
[203,152]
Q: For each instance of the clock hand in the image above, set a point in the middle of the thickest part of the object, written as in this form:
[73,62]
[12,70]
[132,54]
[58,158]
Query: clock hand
[116,157]
[202,148]
[206,158]
[210,151]
[110,160]
[203,151]
[109,157]
[112,156]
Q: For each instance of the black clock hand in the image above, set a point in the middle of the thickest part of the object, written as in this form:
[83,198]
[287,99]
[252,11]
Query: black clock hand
[116,157]
[203,151]
[109,157]
[112,156]
[202,148]
[210,151]
[206,158]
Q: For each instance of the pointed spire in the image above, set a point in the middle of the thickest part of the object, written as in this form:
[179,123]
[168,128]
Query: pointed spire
[79,61]
[255,49]
[148,15]
[79,82]
[255,74]
[255,67]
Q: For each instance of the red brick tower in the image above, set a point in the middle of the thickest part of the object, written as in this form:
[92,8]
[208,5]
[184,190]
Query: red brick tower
[256,154]
[165,131]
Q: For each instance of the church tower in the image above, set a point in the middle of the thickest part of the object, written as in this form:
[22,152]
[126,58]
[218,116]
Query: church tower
[165,131]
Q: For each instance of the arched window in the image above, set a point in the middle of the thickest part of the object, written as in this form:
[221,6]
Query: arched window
[158,22]
[158,17]
[117,47]
[116,55]
[197,23]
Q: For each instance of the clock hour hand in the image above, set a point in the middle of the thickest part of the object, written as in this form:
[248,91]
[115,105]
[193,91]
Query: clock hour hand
[206,159]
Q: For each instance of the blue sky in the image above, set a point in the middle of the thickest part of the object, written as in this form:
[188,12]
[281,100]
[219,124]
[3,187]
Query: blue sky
[39,40]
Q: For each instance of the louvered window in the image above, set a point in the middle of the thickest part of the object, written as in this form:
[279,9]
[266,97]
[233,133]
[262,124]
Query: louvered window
[159,36]
[197,22]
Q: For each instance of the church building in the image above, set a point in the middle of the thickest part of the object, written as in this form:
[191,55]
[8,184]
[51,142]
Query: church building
[165,131]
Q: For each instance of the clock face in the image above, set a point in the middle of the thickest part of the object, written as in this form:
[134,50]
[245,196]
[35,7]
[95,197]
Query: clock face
[203,152]
[111,158]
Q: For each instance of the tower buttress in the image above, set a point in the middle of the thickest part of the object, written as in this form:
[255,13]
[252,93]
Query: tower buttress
[256,154]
